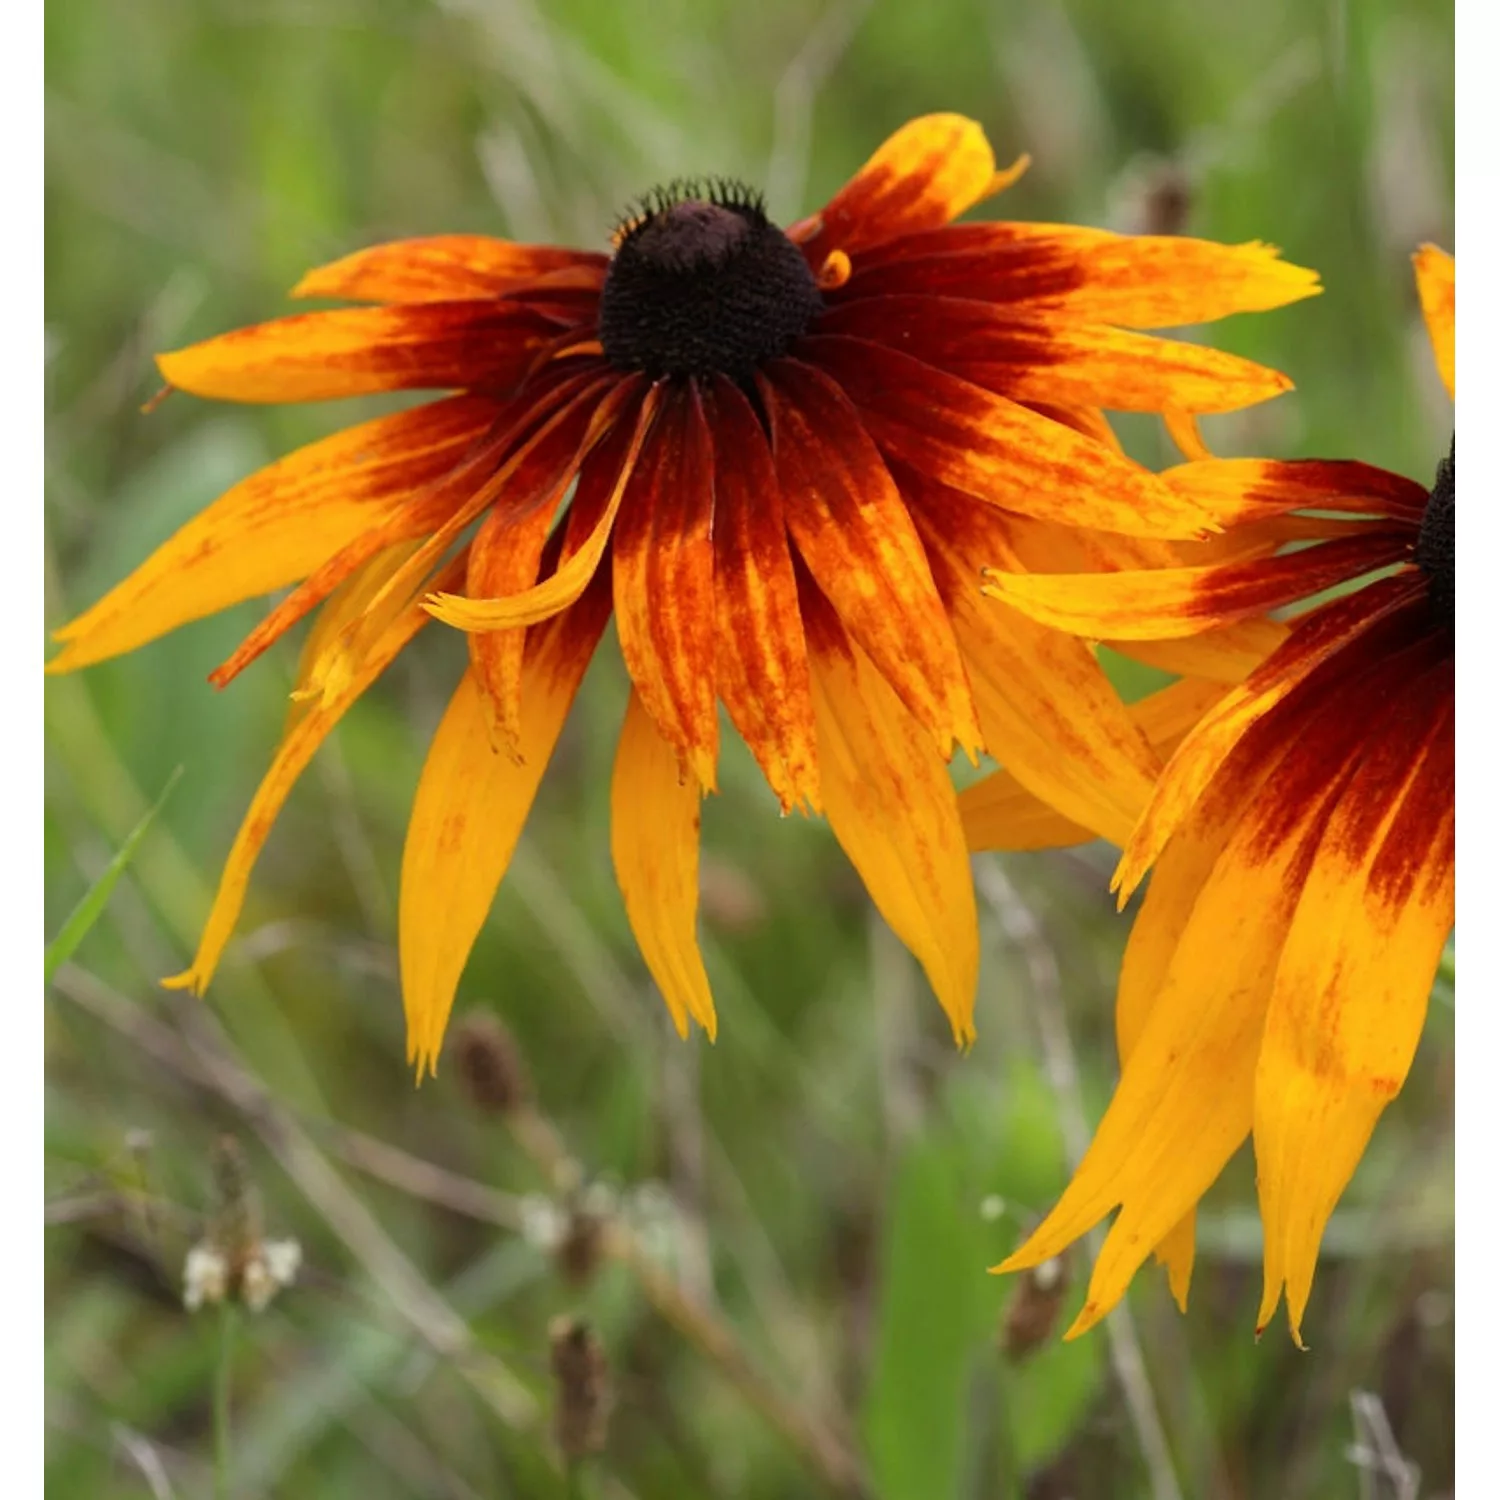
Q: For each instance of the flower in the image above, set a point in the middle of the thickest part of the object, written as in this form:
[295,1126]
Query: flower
[1278,974]
[780,460]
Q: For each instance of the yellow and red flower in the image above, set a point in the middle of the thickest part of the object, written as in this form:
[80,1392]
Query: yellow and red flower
[780,460]
[1277,977]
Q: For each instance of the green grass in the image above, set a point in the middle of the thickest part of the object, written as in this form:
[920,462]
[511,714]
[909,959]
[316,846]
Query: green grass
[825,1164]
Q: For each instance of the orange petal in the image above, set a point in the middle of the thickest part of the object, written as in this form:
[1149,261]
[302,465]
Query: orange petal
[1042,358]
[356,351]
[1361,622]
[664,580]
[1090,275]
[1203,959]
[1237,490]
[852,529]
[504,558]
[1088,420]
[761,666]
[654,818]
[470,807]
[891,805]
[995,449]
[1166,603]
[1435,280]
[440,268]
[280,525]
[927,173]
[530,479]
[1351,990]
[292,755]
[559,590]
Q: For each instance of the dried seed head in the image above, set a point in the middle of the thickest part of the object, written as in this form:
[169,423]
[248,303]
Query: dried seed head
[580,1373]
[1032,1313]
[489,1064]
[581,1248]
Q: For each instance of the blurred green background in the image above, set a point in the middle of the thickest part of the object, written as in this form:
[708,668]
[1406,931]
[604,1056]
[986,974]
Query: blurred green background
[830,1179]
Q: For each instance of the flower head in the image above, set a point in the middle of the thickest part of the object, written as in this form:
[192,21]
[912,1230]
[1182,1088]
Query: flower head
[780,459]
[1277,976]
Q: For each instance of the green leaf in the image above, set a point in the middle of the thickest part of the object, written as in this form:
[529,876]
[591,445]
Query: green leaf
[87,912]
[936,1316]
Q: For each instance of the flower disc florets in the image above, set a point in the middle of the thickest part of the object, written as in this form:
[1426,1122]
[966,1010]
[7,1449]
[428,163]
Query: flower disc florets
[1435,546]
[701,283]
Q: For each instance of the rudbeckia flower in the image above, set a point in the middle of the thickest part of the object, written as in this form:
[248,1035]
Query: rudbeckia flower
[778,458]
[1277,976]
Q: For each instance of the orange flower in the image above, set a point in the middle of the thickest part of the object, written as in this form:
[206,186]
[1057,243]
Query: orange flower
[780,459]
[1277,977]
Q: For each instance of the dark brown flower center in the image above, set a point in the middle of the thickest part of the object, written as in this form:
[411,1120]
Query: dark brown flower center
[1435,549]
[702,283]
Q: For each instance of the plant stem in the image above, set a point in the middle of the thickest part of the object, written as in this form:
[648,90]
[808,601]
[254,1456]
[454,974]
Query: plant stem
[229,1313]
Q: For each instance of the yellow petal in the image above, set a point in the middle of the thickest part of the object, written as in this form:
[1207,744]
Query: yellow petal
[1435,280]
[1359,621]
[1193,994]
[1048,712]
[655,809]
[1351,991]
[1225,654]
[891,805]
[346,604]
[1000,813]
[470,807]
[296,749]
[531,479]
[570,580]
[279,525]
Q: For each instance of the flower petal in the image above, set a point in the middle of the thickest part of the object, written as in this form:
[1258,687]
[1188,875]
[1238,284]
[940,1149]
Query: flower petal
[343,606]
[1041,357]
[280,525]
[761,666]
[1000,813]
[1239,490]
[655,810]
[1363,622]
[1352,987]
[504,558]
[1090,275]
[664,580]
[1048,711]
[1225,653]
[1435,280]
[995,449]
[355,351]
[927,173]
[1202,960]
[622,446]
[440,268]
[470,807]
[891,806]
[297,747]
[532,476]
[1165,603]
[853,530]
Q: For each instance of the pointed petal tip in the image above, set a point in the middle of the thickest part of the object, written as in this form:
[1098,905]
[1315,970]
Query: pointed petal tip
[1007,176]
[1090,1313]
